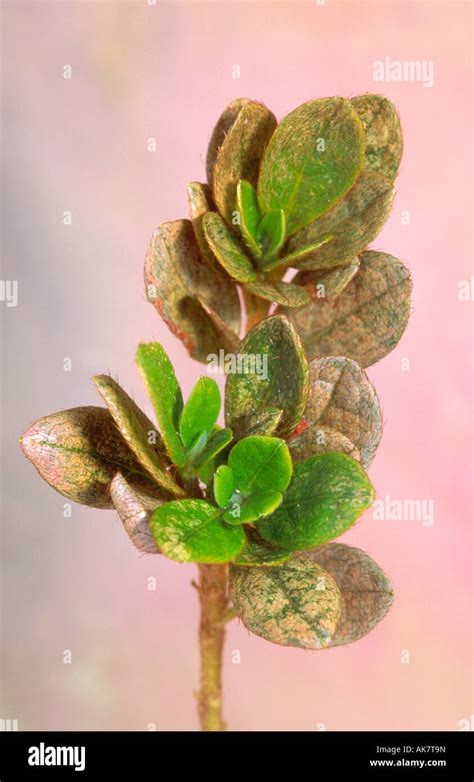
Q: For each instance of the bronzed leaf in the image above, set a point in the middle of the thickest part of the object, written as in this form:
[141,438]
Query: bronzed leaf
[365,590]
[383,134]
[294,604]
[259,553]
[318,439]
[327,283]
[366,321]
[284,293]
[134,508]
[177,280]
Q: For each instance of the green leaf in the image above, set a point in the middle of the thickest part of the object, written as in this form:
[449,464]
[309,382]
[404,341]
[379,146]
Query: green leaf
[367,319]
[258,552]
[165,393]
[244,510]
[227,248]
[271,234]
[342,397]
[201,410]
[280,292]
[294,604]
[383,134]
[178,281]
[316,439]
[134,508]
[217,441]
[261,468]
[327,495]
[327,283]
[352,224]
[239,155]
[200,202]
[250,216]
[223,485]
[282,383]
[191,531]
[79,451]
[137,430]
[365,590]
[313,159]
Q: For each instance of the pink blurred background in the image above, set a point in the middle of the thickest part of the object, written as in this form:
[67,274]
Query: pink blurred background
[166,71]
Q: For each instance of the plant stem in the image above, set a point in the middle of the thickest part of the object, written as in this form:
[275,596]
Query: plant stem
[212,589]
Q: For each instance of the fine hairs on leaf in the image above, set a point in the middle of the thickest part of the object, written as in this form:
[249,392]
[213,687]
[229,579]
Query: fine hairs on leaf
[254,486]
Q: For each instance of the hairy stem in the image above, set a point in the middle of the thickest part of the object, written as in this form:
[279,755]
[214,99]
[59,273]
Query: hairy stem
[212,590]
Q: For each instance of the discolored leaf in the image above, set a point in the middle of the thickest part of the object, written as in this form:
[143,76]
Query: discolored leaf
[342,397]
[79,451]
[177,280]
[263,422]
[312,160]
[165,393]
[134,508]
[201,411]
[366,592]
[352,223]
[191,531]
[239,155]
[280,292]
[250,216]
[258,552]
[326,496]
[227,248]
[383,134]
[327,283]
[318,439]
[200,202]
[366,321]
[223,125]
[137,431]
[294,604]
[228,339]
[282,381]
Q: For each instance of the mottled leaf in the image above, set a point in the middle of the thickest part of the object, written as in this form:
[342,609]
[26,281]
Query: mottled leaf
[134,508]
[318,439]
[342,397]
[250,216]
[280,292]
[258,552]
[228,338]
[223,125]
[239,155]
[79,451]
[139,433]
[264,421]
[163,387]
[201,411]
[177,280]
[294,604]
[366,592]
[200,202]
[353,223]
[312,160]
[327,283]
[366,321]
[191,531]
[326,496]
[227,248]
[383,134]
[282,384]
